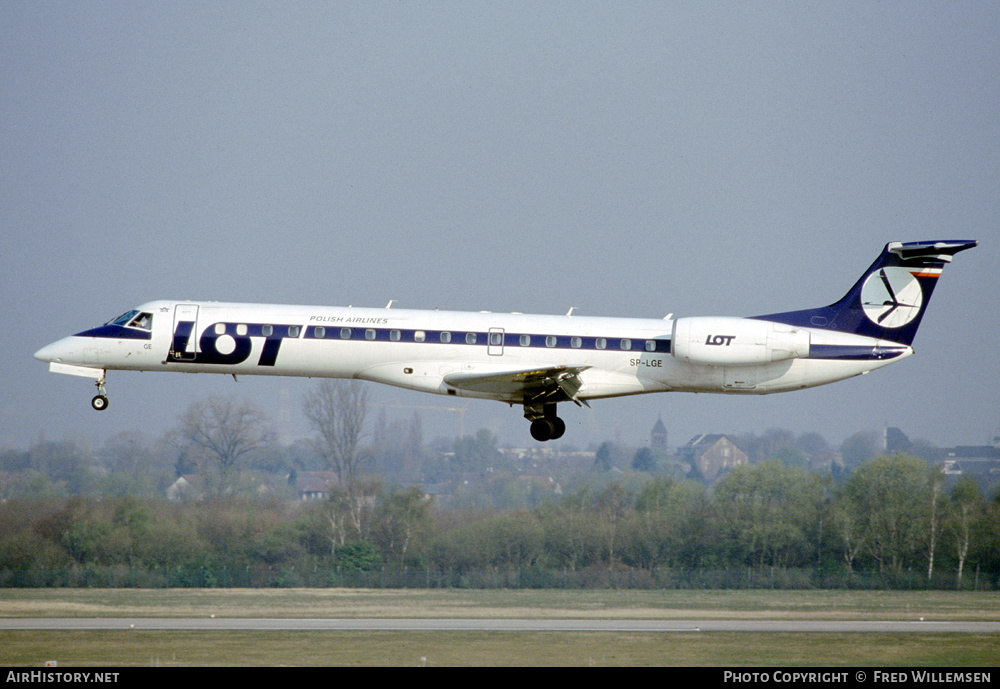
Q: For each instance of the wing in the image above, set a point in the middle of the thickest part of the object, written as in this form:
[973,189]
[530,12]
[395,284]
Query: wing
[551,384]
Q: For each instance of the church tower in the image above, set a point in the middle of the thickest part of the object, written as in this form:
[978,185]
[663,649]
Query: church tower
[658,436]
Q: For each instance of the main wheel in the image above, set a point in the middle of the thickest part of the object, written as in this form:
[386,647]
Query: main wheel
[551,428]
[558,427]
[100,403]
[542,430]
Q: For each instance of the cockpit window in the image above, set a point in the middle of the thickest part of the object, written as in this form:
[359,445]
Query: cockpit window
[124,318]
[134,319]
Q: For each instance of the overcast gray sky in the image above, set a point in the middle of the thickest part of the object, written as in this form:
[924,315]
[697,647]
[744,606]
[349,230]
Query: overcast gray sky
[624,158]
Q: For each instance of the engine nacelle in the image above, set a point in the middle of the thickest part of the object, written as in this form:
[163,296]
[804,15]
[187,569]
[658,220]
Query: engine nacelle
[736,341]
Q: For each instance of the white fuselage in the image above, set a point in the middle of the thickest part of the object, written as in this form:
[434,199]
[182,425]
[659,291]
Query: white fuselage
[419,349]
[533,360]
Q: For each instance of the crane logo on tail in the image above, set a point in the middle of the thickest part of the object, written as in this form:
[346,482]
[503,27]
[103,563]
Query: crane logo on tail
[892,297]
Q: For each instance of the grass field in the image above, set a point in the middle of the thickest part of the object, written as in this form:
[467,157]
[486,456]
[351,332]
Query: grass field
[313,648]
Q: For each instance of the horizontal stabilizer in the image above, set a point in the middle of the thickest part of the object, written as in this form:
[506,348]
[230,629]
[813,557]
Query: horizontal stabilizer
[933,252]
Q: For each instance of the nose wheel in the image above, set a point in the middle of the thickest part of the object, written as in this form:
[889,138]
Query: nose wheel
[100,401]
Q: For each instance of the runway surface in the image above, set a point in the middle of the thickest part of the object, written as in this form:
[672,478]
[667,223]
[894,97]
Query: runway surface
[500,625]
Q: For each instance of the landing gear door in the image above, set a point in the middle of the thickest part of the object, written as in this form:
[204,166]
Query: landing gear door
[184,342]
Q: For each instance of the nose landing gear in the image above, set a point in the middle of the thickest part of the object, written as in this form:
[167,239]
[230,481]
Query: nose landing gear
[100,401]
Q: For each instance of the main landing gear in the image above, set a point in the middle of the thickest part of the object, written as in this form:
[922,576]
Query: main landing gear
[545,425]
[100,401]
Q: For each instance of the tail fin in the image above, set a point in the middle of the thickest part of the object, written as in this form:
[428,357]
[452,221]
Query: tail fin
[889,300]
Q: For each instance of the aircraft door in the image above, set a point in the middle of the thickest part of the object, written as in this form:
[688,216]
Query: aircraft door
[495,345]
[184,342]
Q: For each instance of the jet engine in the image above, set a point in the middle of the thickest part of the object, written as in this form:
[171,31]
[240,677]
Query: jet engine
[736,341]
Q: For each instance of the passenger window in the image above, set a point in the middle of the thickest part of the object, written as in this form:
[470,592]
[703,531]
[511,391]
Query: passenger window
[394,335]
[220,328]
[241,329]
[470,338]
[496,339]
[293,331]
[345,333]
[525,340]
[369,334]
[626,344]
[601,343]
[446,337]
[550,341]
[419,336]
[650,345]
[576,343]
[268,330]
[320,332]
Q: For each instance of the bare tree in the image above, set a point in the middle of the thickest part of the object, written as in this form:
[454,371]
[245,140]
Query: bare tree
[221,432]
[936,486]
[336,410]
[965,510]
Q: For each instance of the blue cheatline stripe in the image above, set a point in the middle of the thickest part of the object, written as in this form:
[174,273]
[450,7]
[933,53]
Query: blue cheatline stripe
[275,333]
[854,352]
[478,338]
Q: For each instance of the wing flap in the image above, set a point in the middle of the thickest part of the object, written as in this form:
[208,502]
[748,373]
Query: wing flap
[535,384]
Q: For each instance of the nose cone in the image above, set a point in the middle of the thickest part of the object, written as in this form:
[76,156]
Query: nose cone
[62,350]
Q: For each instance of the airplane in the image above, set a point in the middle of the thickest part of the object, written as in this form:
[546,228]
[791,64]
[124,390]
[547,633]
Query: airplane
[537,361]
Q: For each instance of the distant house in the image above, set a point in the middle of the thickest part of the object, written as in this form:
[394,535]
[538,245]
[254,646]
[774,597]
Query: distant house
[712,455]
[826,460]
[979,462]
[314,485]
[187,487]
